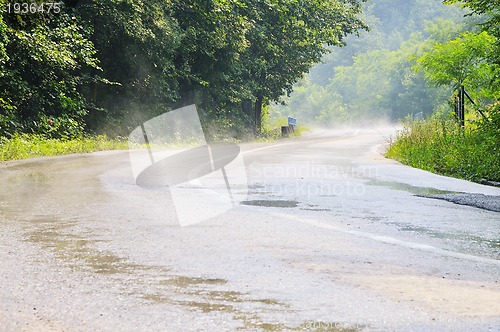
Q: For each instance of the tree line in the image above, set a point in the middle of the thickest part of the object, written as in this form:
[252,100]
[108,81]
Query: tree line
[455,142]
[413,59]
[108,65]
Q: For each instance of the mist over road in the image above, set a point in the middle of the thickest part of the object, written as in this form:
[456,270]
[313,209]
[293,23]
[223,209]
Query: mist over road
[331,235]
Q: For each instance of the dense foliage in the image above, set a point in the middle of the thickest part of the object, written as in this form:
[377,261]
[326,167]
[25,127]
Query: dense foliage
[439,143]
[108,65]
[44,60]
[377,76]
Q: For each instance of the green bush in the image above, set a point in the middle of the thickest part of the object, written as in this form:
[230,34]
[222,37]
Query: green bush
[21,146]
[439,145]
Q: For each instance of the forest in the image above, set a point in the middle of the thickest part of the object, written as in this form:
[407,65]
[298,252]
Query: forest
[91,67]
[409,67]
[106,66]
[395,69]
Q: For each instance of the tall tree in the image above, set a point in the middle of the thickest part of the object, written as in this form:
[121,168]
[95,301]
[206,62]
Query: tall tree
[137,42]
[462,61]
[43,58]
[116,63]
[490,10]
[287,38]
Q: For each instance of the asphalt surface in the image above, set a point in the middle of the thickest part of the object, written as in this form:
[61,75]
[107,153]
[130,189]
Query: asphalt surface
[330,236]
[487,202]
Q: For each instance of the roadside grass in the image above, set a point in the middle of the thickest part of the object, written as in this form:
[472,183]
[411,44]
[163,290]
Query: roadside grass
[301,129]
[22,146]
[439,145]
[271,128]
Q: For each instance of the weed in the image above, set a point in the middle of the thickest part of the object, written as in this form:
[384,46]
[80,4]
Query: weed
[439,145]
[21,146]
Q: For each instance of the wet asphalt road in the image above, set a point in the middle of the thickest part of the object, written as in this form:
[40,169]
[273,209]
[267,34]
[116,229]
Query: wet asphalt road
[331,236]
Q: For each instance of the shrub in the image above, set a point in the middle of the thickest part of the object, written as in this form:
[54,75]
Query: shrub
[439,145]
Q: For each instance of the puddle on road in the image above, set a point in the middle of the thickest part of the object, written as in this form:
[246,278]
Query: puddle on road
[494,244]
[315,209]
[224,302]
[76,251]
[272,203]
[153,284]
[202,299]
[319,326]
[194,293]
[30,178]
[186,281]
[409,188]
[206,307]
[480,201]
[469,243]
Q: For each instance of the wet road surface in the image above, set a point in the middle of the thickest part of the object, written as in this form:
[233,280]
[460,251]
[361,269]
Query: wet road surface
[331,236]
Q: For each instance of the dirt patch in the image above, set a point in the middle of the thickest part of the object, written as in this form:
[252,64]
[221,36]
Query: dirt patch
[272,203]
[455,297]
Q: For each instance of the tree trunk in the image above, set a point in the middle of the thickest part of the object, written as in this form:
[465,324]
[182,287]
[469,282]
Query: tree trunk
[258,114]
[246,107]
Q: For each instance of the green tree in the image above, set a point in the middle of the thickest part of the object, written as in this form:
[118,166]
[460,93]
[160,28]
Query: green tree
[41,70]
[136,43]
[287,38]
[489,11]
[374,75]
[489,8]
[462,62]
[111,64]
[214,37]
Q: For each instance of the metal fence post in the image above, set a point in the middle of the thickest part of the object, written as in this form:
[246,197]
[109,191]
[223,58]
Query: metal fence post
[462,106]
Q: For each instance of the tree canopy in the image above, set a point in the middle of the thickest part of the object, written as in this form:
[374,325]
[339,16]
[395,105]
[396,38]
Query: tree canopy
[414,55]
[107,65]
[462,61]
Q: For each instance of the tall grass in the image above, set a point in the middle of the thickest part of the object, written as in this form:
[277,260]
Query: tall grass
[23,146]
[271,128]
[441,146]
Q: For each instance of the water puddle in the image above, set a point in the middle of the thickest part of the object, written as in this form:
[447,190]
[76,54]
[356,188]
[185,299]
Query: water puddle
[182,281]
[319,326]
[480,201]
[155,285]
[409,188]
[316,210]
[272,203]
[206,307]
[30,177]
[204,300]
[76,251]
[468,243]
